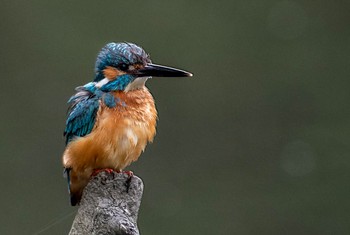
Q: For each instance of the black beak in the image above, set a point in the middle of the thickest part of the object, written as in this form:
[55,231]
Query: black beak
[161,71]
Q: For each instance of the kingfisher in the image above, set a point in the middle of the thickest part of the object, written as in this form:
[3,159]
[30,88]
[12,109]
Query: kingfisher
[111,119]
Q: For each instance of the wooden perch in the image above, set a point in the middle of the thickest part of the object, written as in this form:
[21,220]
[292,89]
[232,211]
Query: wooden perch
[109,205]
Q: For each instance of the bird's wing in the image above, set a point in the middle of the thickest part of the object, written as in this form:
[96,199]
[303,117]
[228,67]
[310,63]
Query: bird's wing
[81,113]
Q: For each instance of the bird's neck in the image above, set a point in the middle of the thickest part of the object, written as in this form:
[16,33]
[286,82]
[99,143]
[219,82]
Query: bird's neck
[125,83]
[117,84]
[136,84]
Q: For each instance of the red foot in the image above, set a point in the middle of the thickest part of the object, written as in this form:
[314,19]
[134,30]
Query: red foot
[108,170]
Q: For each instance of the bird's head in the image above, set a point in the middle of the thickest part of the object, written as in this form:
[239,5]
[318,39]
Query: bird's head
[126,66]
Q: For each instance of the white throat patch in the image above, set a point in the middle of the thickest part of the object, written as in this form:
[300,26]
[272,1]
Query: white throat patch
[137,83]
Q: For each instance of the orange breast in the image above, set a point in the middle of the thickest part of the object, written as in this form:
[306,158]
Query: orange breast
[119,136]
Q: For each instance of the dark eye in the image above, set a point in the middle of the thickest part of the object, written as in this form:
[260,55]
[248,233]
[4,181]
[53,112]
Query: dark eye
[123,67]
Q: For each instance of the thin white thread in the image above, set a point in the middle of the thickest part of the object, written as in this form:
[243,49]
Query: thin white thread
[54,222]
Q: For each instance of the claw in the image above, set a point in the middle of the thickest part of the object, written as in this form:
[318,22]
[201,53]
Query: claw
[128,181]
[129,173]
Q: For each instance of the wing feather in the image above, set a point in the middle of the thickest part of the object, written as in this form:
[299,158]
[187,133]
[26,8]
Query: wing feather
[81,114]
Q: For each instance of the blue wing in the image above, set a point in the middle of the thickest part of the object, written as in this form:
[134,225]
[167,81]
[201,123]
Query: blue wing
[81,113]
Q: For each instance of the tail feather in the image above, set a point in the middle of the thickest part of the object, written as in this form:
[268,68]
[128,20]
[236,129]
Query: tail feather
[74,199]
[76,184]
[66,174]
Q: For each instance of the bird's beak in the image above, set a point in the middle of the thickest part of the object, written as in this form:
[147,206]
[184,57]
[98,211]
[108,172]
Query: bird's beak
[156,70]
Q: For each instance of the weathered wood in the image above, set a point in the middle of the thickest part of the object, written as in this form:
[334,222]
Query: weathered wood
[109,205]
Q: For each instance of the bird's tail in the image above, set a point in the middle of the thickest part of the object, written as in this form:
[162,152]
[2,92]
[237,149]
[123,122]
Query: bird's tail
[75,188]
[66,174]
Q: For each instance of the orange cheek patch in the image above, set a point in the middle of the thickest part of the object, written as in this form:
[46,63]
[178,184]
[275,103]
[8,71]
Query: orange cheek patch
[111,73]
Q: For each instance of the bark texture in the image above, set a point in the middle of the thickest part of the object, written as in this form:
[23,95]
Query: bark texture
[109,205]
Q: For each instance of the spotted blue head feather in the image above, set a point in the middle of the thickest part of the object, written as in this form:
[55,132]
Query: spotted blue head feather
[119,55]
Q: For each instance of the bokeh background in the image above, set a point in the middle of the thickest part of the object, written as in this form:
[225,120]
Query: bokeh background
[257,142]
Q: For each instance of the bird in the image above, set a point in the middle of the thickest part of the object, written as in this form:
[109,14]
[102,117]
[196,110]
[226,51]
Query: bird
[111,119]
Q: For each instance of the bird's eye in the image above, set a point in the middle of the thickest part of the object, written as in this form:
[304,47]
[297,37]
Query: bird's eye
[123,67]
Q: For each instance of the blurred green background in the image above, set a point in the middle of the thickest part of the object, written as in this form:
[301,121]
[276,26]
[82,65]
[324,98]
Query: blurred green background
[256,143]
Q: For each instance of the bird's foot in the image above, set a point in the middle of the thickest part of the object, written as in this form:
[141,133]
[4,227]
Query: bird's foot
[129,173]
[97,171]
[128,181]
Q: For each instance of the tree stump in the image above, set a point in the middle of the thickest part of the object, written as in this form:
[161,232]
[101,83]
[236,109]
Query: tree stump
[109,205]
